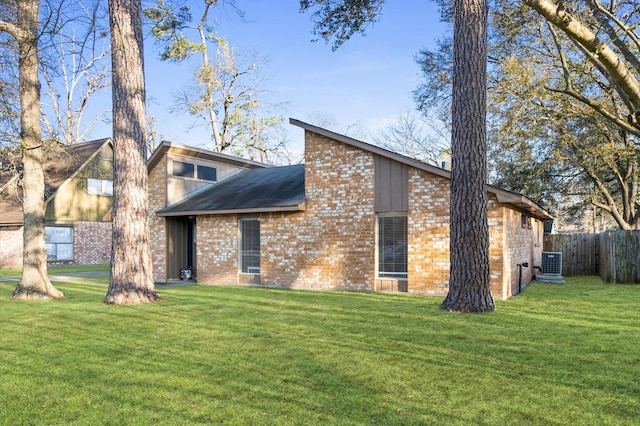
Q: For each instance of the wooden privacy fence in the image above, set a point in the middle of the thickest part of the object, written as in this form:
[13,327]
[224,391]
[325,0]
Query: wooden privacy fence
[615,256]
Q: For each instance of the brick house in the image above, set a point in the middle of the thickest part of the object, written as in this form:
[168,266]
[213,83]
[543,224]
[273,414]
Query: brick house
[78,196]
[354,217]
[176,172]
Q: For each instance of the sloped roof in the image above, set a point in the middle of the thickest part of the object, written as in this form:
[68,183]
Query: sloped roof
[250,191]
[502,195]
[60,166]
[179,149]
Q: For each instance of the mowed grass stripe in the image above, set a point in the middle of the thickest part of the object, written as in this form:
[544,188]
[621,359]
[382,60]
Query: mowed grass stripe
[566,354]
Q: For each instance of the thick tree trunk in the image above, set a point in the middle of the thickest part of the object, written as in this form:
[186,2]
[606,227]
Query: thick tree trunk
[34,283]
[131,266]
[469,283]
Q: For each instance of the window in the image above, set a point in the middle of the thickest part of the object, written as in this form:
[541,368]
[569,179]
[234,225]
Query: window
[250,246]
[392,246]
[193,171]
[524,221]
[536,233]
[59,241]
[182,169]
[207,173]
[100,187]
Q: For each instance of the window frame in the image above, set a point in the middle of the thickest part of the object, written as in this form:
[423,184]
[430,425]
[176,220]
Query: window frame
[250,268]
[106,187]
[186,163]
[381,248]
[195,173]
[215,172]
[54,246]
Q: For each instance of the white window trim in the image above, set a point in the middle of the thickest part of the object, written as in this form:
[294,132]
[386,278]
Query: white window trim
[51,245]
[105,185]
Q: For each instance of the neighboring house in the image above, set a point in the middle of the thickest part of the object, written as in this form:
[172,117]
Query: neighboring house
[353,217]
[78,195]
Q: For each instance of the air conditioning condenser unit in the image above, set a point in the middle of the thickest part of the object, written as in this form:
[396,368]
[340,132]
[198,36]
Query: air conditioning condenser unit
[552,263]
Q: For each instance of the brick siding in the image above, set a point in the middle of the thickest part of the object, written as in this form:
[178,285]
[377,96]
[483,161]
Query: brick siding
[217,249]
[157,225]
[330,244]
[92,243]
[520,247]
[428,233]
[11,247]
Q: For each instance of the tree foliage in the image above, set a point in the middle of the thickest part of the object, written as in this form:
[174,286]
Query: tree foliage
[421,138]
[225,90]
[9,90]
[73,70]
[338,20]
[562,128]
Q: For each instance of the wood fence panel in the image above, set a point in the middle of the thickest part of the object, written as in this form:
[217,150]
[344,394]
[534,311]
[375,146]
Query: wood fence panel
[623,266]
[615,256]
[580,252]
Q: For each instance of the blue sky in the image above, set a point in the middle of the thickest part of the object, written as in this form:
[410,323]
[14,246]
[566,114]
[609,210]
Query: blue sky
[360,87]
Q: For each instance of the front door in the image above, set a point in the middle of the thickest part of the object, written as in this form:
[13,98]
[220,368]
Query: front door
[180,246]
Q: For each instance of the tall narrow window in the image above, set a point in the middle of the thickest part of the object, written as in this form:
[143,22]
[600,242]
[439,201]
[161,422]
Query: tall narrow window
[250,246]
[392,246]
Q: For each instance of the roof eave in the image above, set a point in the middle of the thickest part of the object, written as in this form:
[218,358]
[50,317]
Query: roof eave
[274,209]
[6,224]
[523,203]
[185,150]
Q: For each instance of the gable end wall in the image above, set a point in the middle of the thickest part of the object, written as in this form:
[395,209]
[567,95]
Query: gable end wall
[330,244]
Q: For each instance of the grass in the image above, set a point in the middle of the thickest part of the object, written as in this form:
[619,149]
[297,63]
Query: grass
[561,355]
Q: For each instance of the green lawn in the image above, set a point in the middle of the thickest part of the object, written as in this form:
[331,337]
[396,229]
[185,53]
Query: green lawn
[560,355]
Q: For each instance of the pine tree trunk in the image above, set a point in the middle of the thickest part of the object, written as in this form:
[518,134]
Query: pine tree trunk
[469,283]
[131,266]
[34,283]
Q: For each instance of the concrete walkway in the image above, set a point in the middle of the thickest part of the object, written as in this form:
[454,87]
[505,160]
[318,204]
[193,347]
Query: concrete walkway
[66,276]
[75,276]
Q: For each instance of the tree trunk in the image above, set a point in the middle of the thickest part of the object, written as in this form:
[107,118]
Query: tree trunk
[131,266]
[34,283]
[469,283]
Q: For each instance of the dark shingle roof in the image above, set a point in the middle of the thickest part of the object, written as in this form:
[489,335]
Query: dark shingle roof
[254,190]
